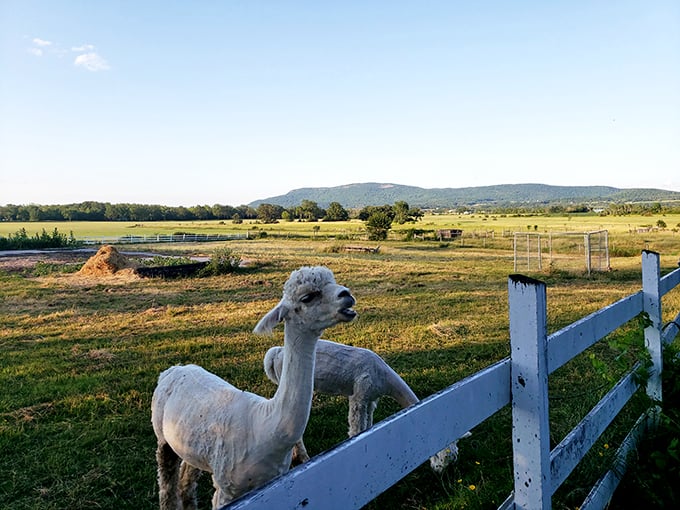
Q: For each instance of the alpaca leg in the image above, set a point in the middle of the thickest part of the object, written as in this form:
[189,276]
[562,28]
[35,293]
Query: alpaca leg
[440,460]
[168,477]
[358,415]
[220,498]
[300,455]
[372,406]
[188,485]
[448,455]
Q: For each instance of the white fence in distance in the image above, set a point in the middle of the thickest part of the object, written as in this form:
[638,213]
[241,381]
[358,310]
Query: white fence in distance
[360,468]
[163,238]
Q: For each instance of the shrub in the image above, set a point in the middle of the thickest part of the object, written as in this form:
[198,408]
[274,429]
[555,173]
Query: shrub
[160,261]
[46,268]
[20,240]
[223,261]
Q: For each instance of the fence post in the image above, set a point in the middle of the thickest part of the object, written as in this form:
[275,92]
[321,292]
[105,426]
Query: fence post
[529,384]
[651,276]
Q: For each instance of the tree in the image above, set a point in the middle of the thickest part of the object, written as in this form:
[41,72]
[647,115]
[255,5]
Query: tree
[269,213]
[400,209]
[222,212]
[377,225]
[202,212]
[367,211]
[34,213]
[117,212]
[182,213]
[309,210]
[93,211]
[10,212]
[336,212]
[416,214]
[246,212]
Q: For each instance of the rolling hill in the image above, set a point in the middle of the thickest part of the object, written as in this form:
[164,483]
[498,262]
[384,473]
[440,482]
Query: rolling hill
[359,195]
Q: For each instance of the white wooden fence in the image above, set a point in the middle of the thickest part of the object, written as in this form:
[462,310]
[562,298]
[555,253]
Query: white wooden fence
[162,238]
[359,469]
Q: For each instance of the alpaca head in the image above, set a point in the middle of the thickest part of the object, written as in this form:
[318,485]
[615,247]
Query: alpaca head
[312,300]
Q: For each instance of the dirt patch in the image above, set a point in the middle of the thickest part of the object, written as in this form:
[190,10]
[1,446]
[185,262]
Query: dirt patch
[107,261]
[20,262]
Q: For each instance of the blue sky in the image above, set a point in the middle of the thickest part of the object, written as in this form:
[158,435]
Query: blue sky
[204,102]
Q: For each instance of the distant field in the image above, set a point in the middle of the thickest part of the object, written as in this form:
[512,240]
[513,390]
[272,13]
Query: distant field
[469,223]
[628,235]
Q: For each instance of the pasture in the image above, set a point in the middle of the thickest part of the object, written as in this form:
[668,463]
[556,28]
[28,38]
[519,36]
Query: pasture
[80,356]
[470,223]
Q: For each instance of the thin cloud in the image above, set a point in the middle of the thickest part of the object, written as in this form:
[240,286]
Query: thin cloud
[92,62]
[84,47]
[88,59]
[41,42]
[39,46]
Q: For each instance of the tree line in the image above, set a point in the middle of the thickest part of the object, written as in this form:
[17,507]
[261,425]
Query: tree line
[104,211]
[378,218]
[307,210]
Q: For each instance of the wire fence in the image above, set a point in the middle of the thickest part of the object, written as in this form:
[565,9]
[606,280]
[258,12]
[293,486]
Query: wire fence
[571,251]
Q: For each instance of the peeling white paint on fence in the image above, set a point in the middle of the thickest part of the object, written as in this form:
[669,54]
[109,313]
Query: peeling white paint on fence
[359,469]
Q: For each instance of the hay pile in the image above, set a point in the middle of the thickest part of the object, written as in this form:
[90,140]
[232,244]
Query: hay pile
[107,261]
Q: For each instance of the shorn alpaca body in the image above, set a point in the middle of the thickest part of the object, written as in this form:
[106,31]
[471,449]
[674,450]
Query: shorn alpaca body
[362,376]
[243,439]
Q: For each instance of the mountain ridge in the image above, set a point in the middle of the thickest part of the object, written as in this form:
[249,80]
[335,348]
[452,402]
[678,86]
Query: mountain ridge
[359,195]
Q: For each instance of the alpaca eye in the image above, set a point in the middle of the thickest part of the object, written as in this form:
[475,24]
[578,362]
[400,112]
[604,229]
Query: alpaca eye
[308,298]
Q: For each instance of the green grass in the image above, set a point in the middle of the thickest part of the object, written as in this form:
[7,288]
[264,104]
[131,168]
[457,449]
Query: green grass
[79,360]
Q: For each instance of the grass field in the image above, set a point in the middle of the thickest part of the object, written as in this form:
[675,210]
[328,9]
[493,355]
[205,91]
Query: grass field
[80,357]
[470,223]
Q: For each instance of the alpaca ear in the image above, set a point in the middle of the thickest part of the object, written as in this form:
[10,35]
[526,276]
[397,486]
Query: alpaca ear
[269,321]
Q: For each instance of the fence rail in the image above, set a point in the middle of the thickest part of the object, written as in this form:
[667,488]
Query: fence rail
[358,469]
[163,238]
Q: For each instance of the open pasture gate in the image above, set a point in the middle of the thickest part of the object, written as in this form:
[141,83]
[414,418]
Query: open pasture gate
[568,251]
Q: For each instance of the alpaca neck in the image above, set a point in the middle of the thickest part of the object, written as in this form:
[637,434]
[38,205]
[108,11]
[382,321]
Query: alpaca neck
[292,401]
[399,390]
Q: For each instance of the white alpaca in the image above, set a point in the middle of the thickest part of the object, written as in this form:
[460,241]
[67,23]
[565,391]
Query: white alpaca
[364,377]
[244,439]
